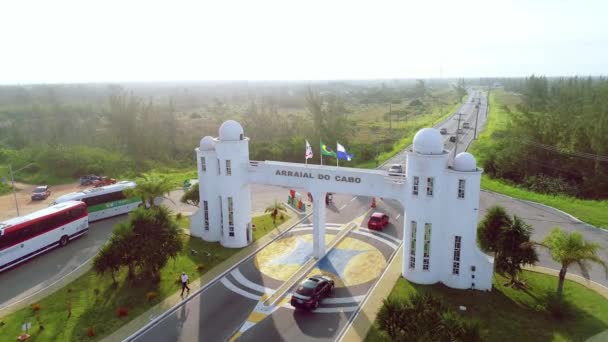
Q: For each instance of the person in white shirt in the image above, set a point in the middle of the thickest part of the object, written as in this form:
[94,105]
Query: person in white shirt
[185,283]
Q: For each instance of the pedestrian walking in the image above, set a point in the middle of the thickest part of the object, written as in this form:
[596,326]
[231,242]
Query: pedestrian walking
[185,283]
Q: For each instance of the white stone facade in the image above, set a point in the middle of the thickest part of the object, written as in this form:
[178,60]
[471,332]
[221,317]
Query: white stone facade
[444,208]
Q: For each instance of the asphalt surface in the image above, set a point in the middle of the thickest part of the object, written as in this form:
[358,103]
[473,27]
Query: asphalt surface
[38,273]
[217,312]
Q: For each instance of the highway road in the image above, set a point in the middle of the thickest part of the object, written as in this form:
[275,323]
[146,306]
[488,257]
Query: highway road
[220,309]
[38,273]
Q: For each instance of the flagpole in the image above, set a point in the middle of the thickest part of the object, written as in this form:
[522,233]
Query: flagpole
[337,159]
[321,151]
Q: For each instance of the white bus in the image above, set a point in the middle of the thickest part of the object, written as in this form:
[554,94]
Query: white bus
[25,237]
[105,201]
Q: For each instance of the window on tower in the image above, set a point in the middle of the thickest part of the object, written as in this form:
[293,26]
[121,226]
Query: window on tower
[415,185]
[429,186]
[206,212]
[427,247]
[413,246]
[456,262]
[230,217]
[219,167]
[203,164]
[228,168]
[461,183]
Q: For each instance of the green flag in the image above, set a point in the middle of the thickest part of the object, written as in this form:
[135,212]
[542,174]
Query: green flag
[326,151]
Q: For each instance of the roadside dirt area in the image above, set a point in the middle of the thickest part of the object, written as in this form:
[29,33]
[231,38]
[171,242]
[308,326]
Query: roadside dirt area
[26,205]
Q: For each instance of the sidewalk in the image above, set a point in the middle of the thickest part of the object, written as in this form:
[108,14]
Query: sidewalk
[169,302]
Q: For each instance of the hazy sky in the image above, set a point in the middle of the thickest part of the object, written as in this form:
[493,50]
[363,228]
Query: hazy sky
[96,41]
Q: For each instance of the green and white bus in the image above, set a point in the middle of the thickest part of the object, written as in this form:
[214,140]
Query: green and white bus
[105,201]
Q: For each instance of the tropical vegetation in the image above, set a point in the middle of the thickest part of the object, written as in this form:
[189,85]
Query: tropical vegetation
[572,249]
[509,239]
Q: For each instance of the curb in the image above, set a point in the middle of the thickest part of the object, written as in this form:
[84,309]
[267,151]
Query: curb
[362,320]
[132,329]
[48,290]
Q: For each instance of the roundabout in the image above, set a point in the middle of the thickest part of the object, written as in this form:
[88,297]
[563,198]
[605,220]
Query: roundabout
[354,265]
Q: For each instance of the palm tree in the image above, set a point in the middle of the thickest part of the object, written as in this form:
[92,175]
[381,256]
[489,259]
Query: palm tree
[150,187]
[568,249]
[274,210]
[490,228]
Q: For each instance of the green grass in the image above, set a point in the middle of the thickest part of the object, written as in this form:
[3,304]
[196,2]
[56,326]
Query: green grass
[99,311]
[590,211]
[507,314]
[410,129]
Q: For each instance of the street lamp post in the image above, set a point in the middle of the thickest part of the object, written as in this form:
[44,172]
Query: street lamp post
[10,169]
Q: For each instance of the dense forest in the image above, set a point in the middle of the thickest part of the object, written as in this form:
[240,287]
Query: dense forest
[557,137]
[69,130]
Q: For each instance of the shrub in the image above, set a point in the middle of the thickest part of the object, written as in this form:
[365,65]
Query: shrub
[122,312]
[151,295]
[200,267]
[90,331]
[179,216]
[36,307]
[281,217]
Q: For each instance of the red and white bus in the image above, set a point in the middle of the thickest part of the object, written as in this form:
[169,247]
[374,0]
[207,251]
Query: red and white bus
[25,237]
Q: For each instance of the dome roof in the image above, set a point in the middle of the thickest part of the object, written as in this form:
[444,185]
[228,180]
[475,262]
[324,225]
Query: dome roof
[465,161]
[428,141]
[230,131]
[207,144]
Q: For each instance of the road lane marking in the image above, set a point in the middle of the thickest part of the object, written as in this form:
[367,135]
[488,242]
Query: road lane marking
[375,237]
[397,217]
[342,207]
[248,283]
[354,198]
[235,289]
[396,240]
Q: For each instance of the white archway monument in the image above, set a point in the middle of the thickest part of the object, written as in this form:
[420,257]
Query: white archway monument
[440,202]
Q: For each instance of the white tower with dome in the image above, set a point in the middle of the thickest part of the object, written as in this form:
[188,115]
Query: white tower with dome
[441,207]
[225,199]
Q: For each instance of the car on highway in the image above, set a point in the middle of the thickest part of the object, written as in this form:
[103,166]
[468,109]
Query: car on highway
[41,193]
[452,139]
[443,131]
[377,221]
[311,291]
[460,131]
[395,170]
[466,125]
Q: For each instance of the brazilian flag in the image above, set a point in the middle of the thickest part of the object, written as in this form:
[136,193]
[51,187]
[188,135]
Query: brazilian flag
[326,151]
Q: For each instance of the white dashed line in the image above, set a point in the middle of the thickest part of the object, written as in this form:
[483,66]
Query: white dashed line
[342,207]
[397,217]
[354,198]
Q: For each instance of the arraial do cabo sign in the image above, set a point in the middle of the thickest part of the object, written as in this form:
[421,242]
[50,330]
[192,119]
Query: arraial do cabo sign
[320,176]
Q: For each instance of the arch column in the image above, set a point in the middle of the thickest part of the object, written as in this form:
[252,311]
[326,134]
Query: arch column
[318,233]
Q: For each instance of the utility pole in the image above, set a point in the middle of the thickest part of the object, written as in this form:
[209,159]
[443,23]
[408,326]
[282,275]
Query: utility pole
[457,134]
[10,170]
[390,116]
[476,118]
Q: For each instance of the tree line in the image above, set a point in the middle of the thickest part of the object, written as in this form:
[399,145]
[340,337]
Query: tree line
[70,130]
[557,139]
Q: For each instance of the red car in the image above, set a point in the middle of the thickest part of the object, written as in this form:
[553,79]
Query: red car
[103,181]
[377,221]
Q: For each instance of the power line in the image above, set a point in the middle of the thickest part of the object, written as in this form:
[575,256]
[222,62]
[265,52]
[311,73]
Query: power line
[569,153]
